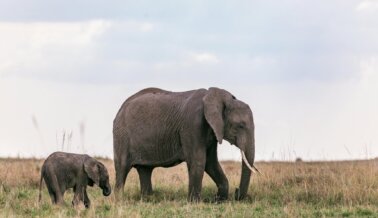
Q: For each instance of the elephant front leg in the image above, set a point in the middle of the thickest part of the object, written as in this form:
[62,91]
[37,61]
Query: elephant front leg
[78,195]
[145,180]
[214,170]
[196,169]
[59,198]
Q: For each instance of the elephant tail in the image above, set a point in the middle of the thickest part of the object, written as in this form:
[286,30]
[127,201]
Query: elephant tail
[40,188]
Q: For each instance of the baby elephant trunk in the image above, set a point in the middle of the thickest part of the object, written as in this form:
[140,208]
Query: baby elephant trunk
[107,190]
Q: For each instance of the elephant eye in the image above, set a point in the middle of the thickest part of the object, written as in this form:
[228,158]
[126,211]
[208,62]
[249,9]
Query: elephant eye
[240,126]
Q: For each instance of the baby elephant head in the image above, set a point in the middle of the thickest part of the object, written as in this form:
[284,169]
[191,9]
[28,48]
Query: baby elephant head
[98,174]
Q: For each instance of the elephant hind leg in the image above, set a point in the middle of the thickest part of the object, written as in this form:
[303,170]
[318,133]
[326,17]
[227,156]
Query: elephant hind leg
[122,166]
[59,193]
[145,179]
[48,182]
[121,175]
[122,161]
[53,188]
[52,194]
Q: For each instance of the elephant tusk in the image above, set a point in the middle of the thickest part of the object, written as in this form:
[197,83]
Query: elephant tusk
[252,168]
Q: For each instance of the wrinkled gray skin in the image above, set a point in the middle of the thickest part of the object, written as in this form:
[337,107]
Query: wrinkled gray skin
[62,171]
[158,128]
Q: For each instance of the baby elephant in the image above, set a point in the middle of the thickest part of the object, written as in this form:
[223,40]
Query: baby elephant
[62,171]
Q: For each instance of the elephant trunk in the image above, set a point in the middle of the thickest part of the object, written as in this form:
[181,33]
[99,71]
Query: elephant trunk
[248,157]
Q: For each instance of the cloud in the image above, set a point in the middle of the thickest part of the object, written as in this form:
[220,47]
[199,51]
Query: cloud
[146,27]
[367,6]
[204,57]
[369,72]
[310,79]
[120,47]
[65,51]
[41,49]
[133,26]
[38,34]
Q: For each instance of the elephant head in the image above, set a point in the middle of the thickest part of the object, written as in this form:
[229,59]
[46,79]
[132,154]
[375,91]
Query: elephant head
[232,120]
[98,174]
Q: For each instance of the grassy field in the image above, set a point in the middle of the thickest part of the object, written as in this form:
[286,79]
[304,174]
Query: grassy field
[301,189]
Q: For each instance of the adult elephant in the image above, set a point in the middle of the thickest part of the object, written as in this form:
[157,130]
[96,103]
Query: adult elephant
[158,128]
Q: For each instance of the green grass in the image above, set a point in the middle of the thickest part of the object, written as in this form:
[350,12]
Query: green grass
[22,202]
[345,189]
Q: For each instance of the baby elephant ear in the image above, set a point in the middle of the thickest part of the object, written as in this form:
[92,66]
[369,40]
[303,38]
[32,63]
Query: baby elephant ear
[92,170]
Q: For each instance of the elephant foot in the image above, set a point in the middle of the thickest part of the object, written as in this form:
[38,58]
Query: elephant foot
[221,198]
[146,192]
[239,196]
[75,203]
[87,204]
[195,198]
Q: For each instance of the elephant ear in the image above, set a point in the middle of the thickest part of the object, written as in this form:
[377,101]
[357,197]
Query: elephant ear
[91,167]
[214,103]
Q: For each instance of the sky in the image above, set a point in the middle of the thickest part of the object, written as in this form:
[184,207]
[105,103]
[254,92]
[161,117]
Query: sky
[308,70]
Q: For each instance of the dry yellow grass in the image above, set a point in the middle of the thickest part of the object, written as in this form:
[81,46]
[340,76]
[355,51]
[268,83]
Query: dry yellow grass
[348,188]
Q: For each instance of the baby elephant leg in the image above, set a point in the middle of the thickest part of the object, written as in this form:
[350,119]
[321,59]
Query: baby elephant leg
[87,202]
[78,195]
[56,193]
